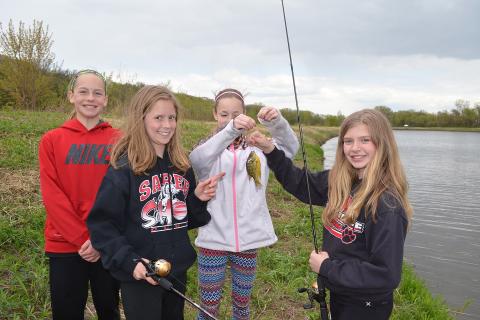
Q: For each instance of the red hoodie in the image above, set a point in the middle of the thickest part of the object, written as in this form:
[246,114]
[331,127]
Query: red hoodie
[73,161]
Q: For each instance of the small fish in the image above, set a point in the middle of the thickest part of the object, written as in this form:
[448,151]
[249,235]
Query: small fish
[253,168]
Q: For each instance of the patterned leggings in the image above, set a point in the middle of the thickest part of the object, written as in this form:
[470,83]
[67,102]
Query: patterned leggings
[212,266]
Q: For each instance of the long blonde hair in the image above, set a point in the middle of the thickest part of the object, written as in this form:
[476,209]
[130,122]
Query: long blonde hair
[384,173]
[135,143]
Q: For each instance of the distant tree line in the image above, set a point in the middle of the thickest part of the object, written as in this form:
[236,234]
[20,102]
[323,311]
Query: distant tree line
[463,115]
[306,117]
[30,79]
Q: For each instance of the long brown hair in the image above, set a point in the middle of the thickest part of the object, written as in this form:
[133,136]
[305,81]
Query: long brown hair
[135,143]
[384,173]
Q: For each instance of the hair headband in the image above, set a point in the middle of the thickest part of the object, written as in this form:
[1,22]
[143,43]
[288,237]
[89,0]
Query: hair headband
[239,95]
[72,83]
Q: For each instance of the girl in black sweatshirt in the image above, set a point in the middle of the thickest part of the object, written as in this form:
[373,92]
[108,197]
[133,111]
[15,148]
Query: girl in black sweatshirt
[146,203]
[365,219]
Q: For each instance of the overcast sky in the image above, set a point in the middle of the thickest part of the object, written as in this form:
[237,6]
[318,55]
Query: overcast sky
[347,54]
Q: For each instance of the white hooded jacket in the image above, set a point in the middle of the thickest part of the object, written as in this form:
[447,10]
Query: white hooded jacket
[240,217]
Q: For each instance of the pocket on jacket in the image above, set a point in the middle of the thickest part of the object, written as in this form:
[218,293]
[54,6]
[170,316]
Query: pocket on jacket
[181,255]
[51,234]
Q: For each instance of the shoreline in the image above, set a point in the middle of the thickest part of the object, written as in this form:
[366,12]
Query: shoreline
[452,129]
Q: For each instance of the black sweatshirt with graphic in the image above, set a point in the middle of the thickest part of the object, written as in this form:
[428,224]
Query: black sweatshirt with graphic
[365,257]
[146,216]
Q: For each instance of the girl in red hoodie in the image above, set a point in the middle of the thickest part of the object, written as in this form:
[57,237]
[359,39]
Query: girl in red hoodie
[73,160]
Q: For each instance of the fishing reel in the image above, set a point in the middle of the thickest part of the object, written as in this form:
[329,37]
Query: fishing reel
[158,270]
[312,294]
[317,293]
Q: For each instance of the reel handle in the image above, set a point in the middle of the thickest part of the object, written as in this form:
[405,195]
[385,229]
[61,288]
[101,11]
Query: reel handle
[155,274]
[310,295]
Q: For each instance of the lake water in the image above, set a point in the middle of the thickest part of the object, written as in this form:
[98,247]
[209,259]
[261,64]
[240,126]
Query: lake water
[443,170]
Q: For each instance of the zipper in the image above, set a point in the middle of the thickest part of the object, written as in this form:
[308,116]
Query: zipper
[234,190]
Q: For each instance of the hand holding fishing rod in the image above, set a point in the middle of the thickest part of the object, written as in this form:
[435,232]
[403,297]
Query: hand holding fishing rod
[157,271]
[316,292]
[320,296]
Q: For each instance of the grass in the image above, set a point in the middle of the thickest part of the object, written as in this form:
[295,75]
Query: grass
[282,268]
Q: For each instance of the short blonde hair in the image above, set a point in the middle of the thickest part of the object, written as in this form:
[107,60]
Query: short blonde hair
[73,83]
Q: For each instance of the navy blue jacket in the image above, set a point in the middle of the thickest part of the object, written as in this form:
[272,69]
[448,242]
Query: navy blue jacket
[366,256]
[146,216]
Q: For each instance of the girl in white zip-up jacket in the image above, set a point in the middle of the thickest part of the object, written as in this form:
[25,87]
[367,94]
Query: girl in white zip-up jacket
[241,222]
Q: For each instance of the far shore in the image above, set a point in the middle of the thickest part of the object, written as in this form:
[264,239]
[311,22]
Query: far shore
[438,129]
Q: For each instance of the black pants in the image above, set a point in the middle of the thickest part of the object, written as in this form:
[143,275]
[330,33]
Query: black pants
[142,301]
[69,280]
[343,308]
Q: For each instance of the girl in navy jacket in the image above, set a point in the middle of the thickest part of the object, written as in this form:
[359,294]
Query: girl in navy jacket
[146,203]
[365,219]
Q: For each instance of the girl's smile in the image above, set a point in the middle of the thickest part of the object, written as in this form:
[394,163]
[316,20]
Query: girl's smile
[359,148]
[160,124]
[227,109]
[88,97]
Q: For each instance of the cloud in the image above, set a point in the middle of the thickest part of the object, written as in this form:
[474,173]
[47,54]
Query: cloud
[388,81]
[347,54]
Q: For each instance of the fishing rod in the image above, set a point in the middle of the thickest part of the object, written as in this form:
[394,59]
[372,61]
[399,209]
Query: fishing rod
[317,293]
[158,270]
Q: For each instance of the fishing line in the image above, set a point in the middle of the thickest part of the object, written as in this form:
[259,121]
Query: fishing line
[304,155]
[320,295]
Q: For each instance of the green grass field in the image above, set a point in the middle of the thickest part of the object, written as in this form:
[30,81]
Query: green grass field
[283,268]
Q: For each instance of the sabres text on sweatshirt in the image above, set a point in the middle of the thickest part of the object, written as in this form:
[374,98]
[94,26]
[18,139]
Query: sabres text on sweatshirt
[146,216]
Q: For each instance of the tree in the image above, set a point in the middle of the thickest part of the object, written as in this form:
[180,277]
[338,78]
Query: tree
[461,104]
[476,107]
[387,112]
[27,59]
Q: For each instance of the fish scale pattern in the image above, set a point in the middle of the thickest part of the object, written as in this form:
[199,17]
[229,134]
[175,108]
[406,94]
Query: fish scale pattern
[212,266]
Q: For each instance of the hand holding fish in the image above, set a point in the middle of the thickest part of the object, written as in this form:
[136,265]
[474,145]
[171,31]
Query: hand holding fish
[268,114]
[243,122]
[260,141]
[206,189]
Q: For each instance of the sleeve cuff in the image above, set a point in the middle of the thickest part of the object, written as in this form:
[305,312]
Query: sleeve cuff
[79,241]
[129,264]
[198,215]
[197,203]
[271,124]
[275,155]
[235,131]
[325,267]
